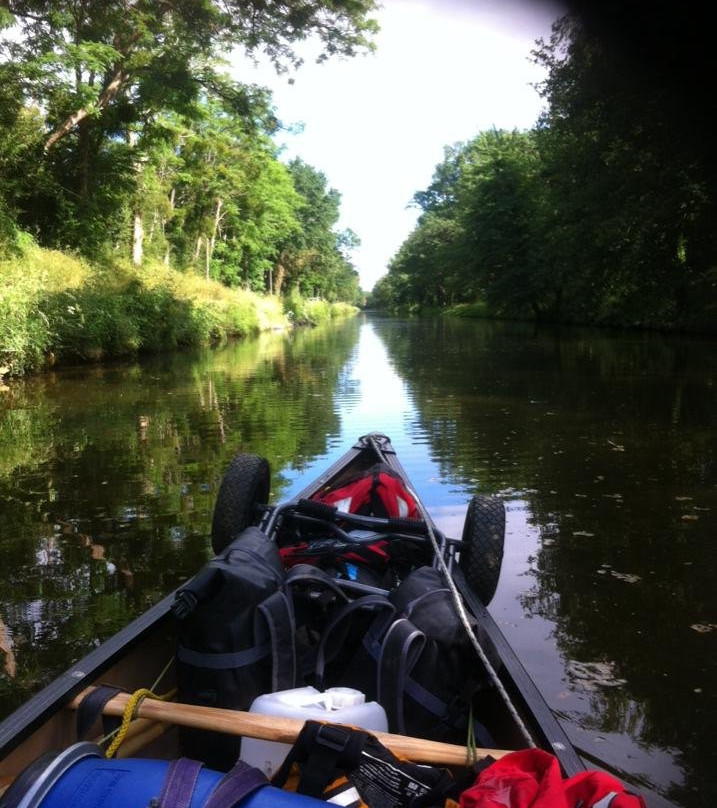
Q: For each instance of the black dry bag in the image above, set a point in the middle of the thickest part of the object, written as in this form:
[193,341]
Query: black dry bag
[236,638]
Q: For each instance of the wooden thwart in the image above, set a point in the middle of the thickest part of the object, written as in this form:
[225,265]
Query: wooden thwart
[283,730]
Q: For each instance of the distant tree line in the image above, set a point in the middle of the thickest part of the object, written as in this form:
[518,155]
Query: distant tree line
[120,135]
[603,213]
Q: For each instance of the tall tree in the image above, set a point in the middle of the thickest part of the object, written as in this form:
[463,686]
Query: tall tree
[312,258]
[104,73]
[83,58]
[633,192]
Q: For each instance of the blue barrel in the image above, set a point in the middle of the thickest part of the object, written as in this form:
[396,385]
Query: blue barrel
[81,777]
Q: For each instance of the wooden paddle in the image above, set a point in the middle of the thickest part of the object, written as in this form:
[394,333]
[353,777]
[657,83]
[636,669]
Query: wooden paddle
[283,730]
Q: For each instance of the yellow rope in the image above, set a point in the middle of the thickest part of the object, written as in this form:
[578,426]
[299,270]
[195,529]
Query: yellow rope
[130,712]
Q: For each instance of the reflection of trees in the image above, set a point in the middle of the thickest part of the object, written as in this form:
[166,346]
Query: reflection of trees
[109,475]
[610,439]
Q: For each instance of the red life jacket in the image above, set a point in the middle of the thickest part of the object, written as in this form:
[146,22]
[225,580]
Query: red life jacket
[531,779]
[379,492]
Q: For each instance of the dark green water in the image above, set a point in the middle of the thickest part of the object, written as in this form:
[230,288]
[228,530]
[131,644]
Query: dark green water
[601,444]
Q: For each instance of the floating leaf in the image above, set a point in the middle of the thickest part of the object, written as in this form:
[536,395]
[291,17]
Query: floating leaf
[703,628]
[592,675]
[625,576]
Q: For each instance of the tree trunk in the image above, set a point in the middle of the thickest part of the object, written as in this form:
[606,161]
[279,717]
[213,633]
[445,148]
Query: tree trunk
[279,280]
[172,196]
[106,97]
[84,162]
[212,240]
[137,239]
[137,222]
[153,226]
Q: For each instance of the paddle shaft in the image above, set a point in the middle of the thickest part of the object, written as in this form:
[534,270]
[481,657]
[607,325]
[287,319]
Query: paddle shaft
[282,730]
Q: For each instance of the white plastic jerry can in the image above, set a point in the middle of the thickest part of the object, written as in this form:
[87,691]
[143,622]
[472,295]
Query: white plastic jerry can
[339,705]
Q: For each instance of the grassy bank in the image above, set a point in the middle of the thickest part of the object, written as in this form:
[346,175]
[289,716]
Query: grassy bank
[55,308]
[469,310]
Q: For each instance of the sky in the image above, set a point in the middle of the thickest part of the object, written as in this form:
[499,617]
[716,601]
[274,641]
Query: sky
[376,125]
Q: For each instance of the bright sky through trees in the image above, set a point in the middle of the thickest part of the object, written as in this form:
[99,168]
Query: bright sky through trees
[376,125]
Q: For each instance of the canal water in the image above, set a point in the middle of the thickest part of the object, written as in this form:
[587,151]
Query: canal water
[601,444]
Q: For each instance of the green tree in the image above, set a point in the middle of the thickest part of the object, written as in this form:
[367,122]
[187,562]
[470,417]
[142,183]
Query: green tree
[314,259]
[104,73]
[474,239]
[232,201]
[603,213]
[631,188]
[499,197]
[82,59]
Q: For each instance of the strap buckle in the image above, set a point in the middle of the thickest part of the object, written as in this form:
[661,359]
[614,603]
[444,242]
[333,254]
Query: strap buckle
[184,604]
[333,737]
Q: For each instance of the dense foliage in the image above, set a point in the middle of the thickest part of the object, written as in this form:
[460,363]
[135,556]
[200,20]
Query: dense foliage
[120,136]
[603,213]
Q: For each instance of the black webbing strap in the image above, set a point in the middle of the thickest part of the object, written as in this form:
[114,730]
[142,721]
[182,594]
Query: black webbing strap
[91,707]
[400,650]
[309,574]
[275,615]
[331,643]
[223,661]
[320,750]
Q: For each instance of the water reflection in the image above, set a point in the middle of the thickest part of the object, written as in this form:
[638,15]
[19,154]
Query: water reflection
[108,477]
[607,441]
[602,446]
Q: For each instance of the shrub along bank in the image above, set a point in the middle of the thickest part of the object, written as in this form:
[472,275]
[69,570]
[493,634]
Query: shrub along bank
[56,308]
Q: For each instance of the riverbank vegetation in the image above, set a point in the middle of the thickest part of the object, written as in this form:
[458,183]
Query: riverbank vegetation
[603,213]
[55,308]
[126,144]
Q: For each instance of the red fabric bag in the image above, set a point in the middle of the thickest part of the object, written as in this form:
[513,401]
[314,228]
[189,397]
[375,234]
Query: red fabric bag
[532,779]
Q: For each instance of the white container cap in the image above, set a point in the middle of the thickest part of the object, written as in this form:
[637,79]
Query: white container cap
[336,698]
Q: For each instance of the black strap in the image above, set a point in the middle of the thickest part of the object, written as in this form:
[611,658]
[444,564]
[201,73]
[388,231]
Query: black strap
[91,707]
[307,573]
[276,615]
[236,784]
[319,750]
[179,782]
[341,620]
[223,661]
[400,650]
